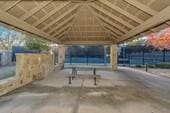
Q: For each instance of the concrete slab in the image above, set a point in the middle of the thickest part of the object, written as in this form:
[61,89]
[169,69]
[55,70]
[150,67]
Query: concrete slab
[123,91]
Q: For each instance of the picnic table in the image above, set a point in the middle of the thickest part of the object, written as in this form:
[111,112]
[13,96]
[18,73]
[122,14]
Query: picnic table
[75,74]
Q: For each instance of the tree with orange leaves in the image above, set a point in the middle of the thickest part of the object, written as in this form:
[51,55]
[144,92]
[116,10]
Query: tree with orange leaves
[160,40]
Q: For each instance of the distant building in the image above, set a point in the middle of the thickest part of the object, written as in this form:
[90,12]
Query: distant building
[5,58]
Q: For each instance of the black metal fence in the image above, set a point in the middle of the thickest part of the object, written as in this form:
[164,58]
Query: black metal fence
[142,58]
[88,54]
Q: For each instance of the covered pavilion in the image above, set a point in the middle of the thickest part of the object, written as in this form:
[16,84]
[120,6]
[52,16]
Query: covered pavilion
[87,21]
[83,22]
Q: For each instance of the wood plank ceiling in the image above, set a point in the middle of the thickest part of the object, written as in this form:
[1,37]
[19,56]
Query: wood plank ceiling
[87,21]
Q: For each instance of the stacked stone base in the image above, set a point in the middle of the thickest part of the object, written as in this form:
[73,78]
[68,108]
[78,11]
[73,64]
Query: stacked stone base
[29,67]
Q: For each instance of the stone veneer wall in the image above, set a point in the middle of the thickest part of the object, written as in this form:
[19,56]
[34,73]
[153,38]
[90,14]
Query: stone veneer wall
[29,67]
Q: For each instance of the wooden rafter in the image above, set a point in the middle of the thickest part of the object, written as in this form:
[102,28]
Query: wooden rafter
[112,16]
[111,23]
[11,20]
[51,13]
[142,7]
[157,19]
[36,9]
[61,30]
[99,21]
[6,8]
[121,11]
[62,16]
[150,2]
[62,23]
[61,36]
[113,30]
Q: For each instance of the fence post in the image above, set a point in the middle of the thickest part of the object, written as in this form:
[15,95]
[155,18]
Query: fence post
[163,55]
[129,59]
[146,67]
[143,57]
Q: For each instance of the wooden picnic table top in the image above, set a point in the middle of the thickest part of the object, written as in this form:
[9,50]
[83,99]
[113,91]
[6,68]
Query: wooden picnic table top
[83,68]
[83,76]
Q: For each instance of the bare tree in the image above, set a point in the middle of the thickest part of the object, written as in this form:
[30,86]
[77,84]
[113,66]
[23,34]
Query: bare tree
[8,38]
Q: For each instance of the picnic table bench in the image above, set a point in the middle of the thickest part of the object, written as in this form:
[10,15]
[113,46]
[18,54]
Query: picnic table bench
[83,76]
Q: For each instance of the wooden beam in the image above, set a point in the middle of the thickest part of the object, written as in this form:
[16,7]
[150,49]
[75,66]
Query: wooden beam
[161,17]
[99,21]
[62,16]
[142,7]
[6,8]
[62,29]
[51,13]
[84,42]
[62,23]
[113,34]
[111,23]
[120,20]
[114,29]
[36,9]
[61,36]
[121,11]
[13,21]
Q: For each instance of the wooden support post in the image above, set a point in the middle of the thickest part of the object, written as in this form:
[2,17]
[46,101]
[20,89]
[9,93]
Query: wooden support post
[113,56]
[61,53]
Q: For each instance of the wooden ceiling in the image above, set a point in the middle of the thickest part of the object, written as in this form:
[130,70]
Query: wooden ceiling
[87,21]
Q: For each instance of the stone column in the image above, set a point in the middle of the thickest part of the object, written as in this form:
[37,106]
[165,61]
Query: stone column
[61,54]
[113,56]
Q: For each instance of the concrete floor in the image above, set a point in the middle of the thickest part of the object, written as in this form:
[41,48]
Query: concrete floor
[158,71]
[123,91]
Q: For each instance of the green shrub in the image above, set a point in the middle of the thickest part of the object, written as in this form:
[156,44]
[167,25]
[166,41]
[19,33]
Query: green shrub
[139,66]
[152,66]
[163,65]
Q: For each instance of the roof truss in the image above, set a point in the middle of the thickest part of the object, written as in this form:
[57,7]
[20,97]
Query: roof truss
[106,20]
[112,6]
[112,16]
[51,13]
[141,7]
[36,9]
[157,19]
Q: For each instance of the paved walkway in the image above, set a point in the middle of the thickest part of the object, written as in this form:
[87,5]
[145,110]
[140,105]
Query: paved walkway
[123,91]
[7,71]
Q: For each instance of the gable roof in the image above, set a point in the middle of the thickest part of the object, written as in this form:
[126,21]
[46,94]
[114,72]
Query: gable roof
[87,21]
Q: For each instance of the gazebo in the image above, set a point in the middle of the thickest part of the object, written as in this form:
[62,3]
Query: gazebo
[47,88]
[87,21]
